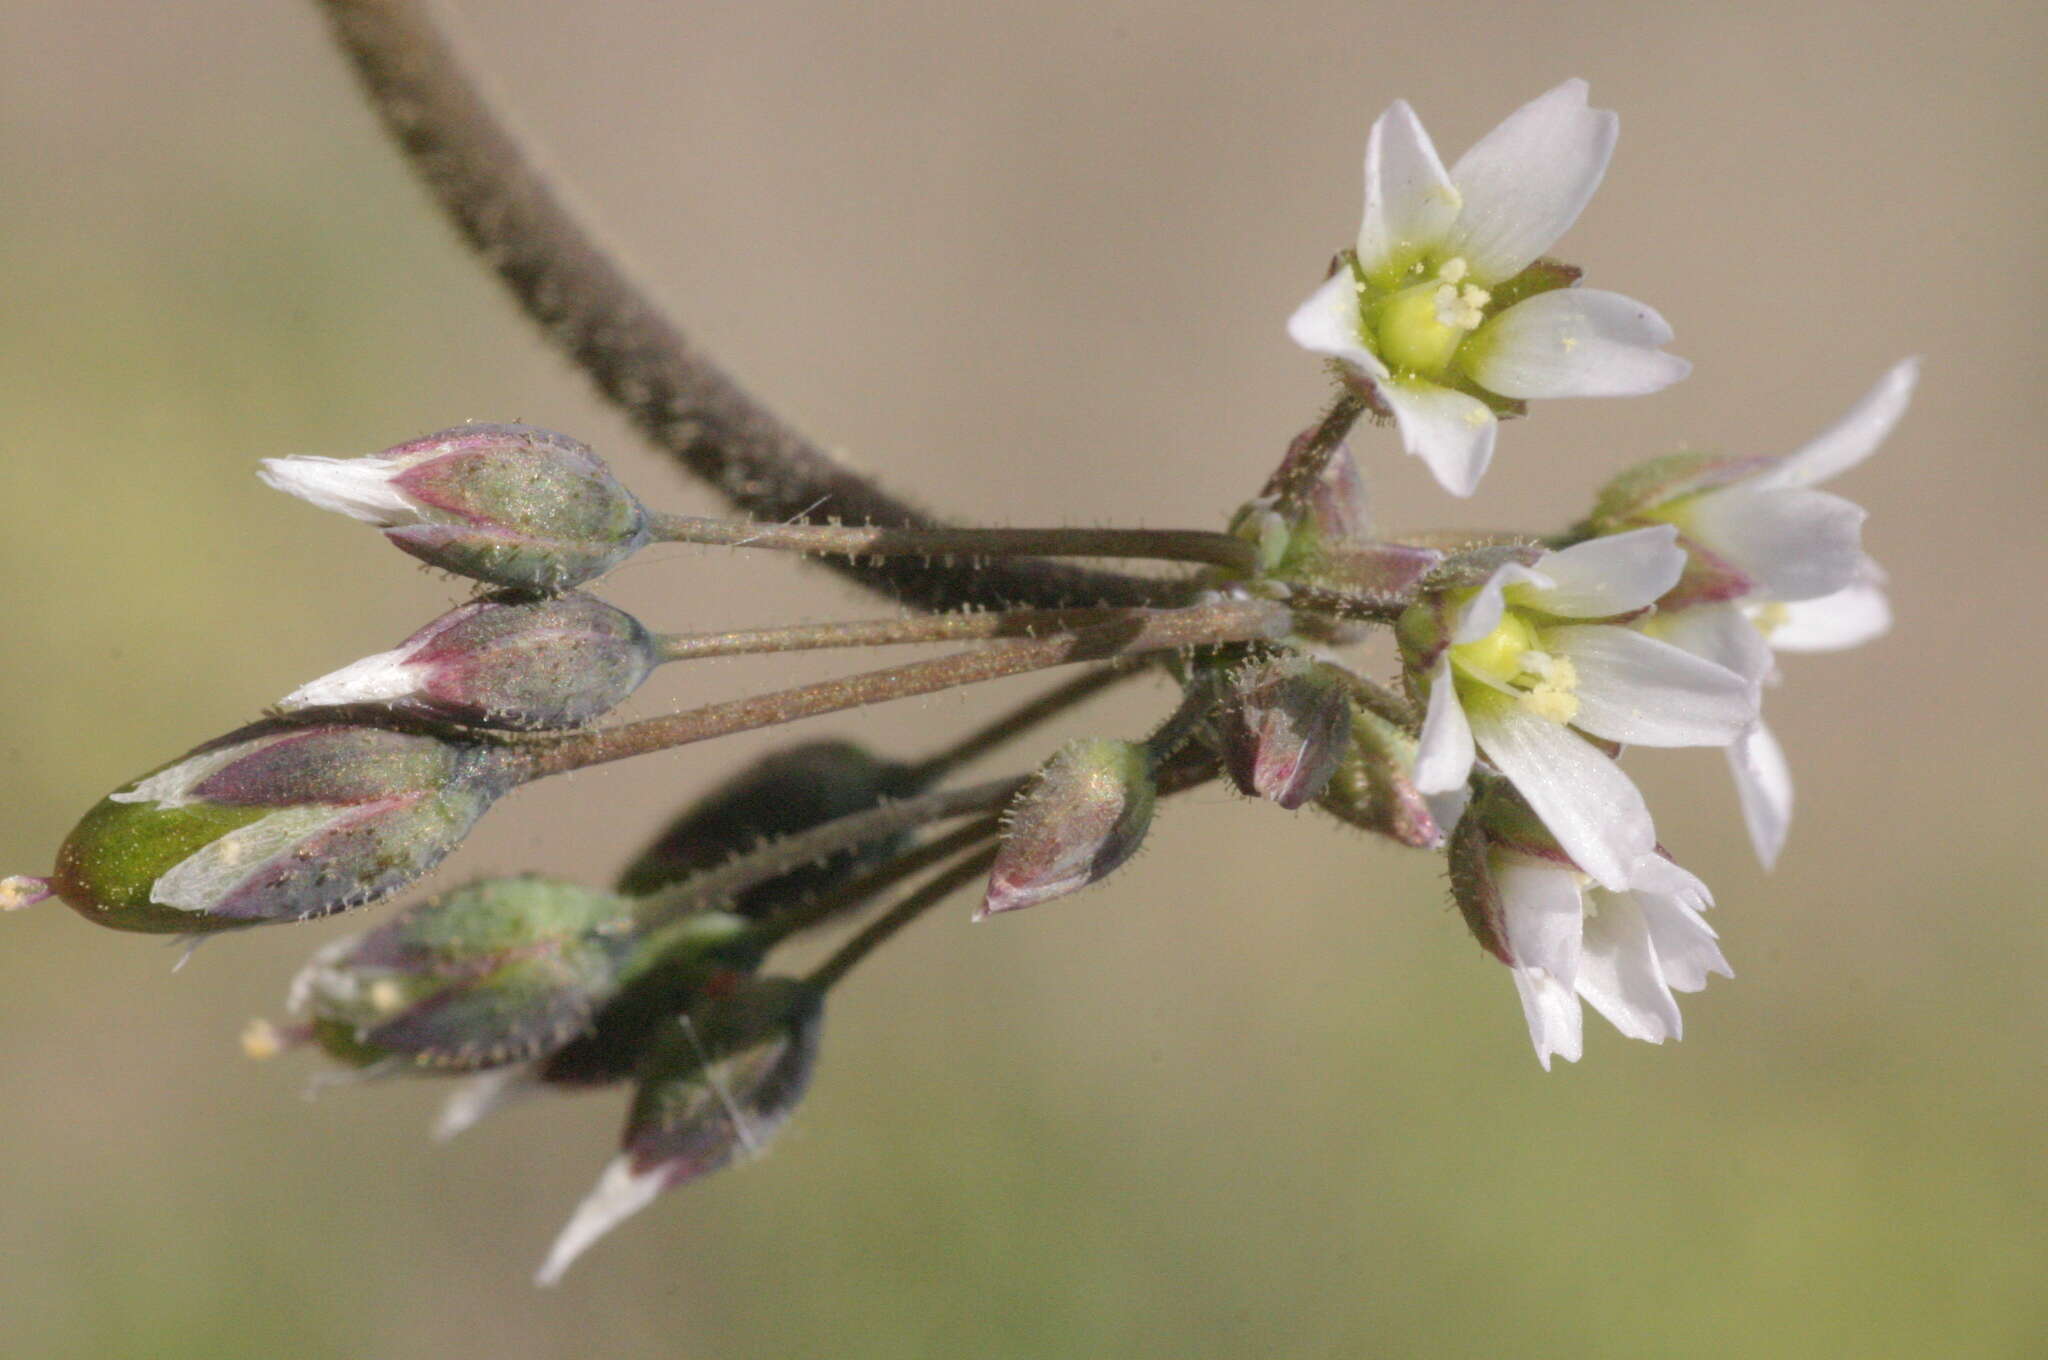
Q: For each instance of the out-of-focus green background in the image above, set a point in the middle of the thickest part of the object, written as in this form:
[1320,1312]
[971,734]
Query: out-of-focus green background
[1259,1096]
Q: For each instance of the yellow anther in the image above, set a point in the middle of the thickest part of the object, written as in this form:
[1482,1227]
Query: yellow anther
[386,995]
[1453,269]
[261,1041]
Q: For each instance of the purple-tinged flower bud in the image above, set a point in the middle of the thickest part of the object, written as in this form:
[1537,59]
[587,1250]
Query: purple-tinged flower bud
[1285,723]
[723,1082]
[512,505]
[1373,787]
[276,822]
[500,662]
[1082,816]
[497,972]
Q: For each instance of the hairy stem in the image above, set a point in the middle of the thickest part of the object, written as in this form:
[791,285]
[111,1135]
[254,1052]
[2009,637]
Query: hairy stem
[839,540]
[1140,631]
[824,907]
[585,302]
[1007,623]
[1310,452]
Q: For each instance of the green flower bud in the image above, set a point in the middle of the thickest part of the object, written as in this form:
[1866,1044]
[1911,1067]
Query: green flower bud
[497,972]
[502,662]
[511,505]
[1373,787]
[276,822]
[1083,815]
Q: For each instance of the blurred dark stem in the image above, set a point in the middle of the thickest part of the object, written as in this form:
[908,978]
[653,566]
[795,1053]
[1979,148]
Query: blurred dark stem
[584,301]
[825,906]
[878,931]
[1021,719]
[1138,631]
[718,887]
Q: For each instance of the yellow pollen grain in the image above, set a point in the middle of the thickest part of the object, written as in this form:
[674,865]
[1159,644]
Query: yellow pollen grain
[1453,270]
[1771,617]
[1559,706]
[386,995]
[261,1041]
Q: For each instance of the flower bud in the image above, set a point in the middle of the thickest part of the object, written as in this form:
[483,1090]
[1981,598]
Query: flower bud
[779,795]
[1083,815]
[496,972]
[501,662]
[723,1081]
[1285,723]
[1373,786]
[512,505]
[276,822]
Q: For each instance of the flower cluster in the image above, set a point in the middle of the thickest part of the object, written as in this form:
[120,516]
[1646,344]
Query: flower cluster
[1528,663]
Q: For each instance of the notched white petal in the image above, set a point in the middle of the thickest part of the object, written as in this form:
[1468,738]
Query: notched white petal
[1448,430]
[1541,915]
[1848,618]
[1796,543]
[1444,754]
[1595,811]
[375,679]
[1686,950]
[1556,1026]
[1721,633]
[620,1193]
[1854,437]
[1620,975]
[1635,689]
[1525,182]
[1574,342]
[1409,199]
[1763,785]
[1613,574]
[360,488]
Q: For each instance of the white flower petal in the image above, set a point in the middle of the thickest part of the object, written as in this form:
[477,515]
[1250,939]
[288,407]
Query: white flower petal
[1763,785]
[1409,201]
[1481,614]
[1552,1010]
[1448,430]
[1443,754]
[1574,342]
[620,1193]
[1614,574]
[374,679]
[1847,618]
[1852,438]
[1329,324]
[172,787]
[1686,950]
[1619,973]
[1635,689]
[1541,915]
[1796,543]
[360,488]
[1658,876]
[479,1096]
[1526,181]
[203,878]
[1721,633]
[1594,810]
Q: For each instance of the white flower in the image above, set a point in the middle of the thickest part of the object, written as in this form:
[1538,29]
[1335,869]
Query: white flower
[1514,675]
[1441,300]
[1779,566]
[1569,940]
